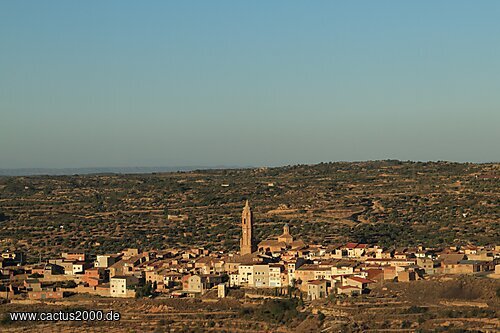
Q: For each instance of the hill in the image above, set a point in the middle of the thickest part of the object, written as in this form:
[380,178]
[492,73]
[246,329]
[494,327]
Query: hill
[390,202]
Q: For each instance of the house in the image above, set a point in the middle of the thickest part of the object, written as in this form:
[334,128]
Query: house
[402,253]
[94,276]
[357,281]
[73,256]
[336,251]
[348,290]
[79,267]
[466,267]
[171,278]
[451,258]
[309,272]
[221,290]
[164,278]
[154,276]
[123,286]
[406,276]
[482,256]
[46,293]
[127,266]
[390,272]
[343,267]
[305,273]
[261,276]
[317,289]
[470,249]
[375,274]
[234,279]
[355,250]
[130,252]
[291,266]
[245,274]
[106,260]
[200,283]
[12,258]
[427,264]
[276,278]
[47,269]
[65,264]
[32,285]
[209,265]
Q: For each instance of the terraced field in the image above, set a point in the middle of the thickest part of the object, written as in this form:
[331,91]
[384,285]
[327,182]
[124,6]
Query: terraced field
[389,202]
[419,306]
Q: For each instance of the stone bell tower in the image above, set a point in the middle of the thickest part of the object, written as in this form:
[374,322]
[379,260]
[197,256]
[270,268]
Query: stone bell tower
[247,244]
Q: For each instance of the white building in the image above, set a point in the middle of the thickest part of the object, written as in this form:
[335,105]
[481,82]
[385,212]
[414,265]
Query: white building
[122,286]
[234,279]
[275,275]
[104,261]
[245,273]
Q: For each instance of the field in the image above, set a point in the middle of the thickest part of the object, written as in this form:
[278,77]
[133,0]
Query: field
[388,202]
[462,304]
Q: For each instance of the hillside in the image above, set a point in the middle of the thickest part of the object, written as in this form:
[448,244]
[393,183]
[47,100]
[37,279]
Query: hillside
[390,202]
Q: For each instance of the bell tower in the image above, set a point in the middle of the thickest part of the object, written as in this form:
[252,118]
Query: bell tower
[285,237]
[247,245]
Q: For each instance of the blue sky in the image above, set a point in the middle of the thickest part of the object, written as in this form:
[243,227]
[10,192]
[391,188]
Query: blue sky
[175,83]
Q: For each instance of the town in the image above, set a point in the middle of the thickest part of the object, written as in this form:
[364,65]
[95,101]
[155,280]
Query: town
[280,265]
[249,166]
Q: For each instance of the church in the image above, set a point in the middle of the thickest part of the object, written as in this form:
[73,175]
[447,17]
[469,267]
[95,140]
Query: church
[248,244]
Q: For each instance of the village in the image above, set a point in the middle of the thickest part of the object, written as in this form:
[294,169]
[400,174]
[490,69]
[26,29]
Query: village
[280,265]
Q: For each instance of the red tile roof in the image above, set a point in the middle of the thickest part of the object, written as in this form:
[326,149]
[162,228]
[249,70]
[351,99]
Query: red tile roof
[348,287]
[316,282]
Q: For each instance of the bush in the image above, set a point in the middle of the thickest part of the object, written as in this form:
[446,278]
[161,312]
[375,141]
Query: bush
[3,217]
[5,320]
[35,275]
[275,311]
[416,309]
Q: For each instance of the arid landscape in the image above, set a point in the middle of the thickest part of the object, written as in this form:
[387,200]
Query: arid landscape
[387,202]
[249,166]
[401,216]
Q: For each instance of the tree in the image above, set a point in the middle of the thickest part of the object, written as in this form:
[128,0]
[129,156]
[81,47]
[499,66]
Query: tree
[292,288]
[3,217]
[145,290]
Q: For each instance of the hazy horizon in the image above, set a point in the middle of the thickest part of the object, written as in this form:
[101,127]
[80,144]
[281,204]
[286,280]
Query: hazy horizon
[251,165]
[124,84]
[155,169]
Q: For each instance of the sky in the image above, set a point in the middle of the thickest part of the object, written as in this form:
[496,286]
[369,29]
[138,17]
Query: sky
[247,83]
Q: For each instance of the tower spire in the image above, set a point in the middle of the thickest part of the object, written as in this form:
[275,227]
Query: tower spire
[247,244]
